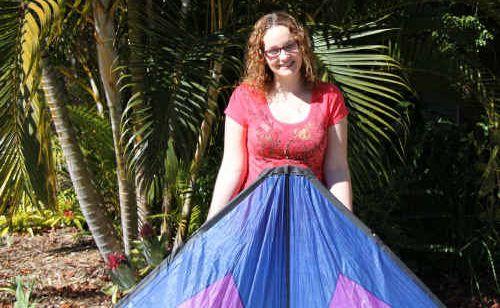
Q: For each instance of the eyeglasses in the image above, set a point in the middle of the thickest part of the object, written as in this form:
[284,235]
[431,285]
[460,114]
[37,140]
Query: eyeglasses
[289,48]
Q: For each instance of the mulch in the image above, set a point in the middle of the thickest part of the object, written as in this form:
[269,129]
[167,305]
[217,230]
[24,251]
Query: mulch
[68,272]
[65,266]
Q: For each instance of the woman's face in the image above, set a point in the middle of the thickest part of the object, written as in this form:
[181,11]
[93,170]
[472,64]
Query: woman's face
[282,52]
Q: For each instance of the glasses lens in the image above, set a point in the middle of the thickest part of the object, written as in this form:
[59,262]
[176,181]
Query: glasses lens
[273,52]
[292,47]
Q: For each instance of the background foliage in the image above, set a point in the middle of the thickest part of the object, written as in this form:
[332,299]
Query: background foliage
[420,79]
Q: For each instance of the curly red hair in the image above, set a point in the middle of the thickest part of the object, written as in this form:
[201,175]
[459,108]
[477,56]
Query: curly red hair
[257,73]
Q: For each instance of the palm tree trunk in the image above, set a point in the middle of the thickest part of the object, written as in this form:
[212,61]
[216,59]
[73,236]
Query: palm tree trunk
[167,206]
[203,140]
[91,202]
[216,24]
[95,90]
[104,33]
[137,70]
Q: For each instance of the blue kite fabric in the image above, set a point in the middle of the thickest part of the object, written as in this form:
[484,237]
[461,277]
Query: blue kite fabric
[285,241]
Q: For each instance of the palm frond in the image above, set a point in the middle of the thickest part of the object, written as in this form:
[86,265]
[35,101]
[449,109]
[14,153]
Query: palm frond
[375,91]
[175,90]
[27,171]
[97,149]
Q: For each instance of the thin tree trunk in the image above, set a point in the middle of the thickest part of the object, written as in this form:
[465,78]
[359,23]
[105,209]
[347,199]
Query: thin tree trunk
[141,198]
[166,226]
[104,33]
[95,91]
[216,24]
[203,141]
[137,69]
[91,202]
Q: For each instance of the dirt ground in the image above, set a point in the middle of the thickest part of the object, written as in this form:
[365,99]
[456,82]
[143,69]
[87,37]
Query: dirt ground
[68,272]
[66,268]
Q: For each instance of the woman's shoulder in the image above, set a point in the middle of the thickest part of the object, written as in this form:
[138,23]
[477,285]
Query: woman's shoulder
[242,102]
[328,94]
[327,88]
[333,101]
[249,89]
[249,93]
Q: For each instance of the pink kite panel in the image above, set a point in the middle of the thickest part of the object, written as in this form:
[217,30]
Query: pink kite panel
[349,294]
[222,293]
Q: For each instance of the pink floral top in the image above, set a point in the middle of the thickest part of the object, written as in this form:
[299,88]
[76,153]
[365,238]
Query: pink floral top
[272,143]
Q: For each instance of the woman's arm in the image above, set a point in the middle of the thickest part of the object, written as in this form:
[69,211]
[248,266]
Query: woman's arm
[233,166]
[336,167]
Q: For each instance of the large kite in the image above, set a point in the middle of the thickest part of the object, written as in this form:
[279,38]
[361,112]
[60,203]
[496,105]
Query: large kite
[285,241]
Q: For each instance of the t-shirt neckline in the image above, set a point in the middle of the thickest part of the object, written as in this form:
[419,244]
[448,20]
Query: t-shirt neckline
[311,104]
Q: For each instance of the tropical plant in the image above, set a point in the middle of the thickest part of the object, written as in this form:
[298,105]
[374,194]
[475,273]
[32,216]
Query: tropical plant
[22,292]
[165,71]
[103,13]
[376,92]
[27,175]
[179,96]
[451,179]
[460,42]
[22,70]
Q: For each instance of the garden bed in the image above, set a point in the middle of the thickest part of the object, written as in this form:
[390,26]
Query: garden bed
[65,266]
[68,271]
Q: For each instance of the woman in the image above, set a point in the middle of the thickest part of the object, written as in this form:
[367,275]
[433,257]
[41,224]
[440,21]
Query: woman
[284,242]
[281,115]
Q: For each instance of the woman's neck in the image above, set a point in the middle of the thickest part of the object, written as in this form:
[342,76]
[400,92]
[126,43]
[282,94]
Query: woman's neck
[293,85]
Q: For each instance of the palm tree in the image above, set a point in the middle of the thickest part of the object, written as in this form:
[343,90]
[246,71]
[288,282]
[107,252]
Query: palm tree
[27,174]
[137,39]
[26,33]
[103,12]
[91,202]
[375,91]
[372,81]
[172,102]
[209,118]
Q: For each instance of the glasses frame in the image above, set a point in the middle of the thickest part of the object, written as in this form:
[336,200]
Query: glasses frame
[289,49]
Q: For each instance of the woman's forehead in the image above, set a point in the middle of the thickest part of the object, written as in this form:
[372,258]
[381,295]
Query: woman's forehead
[277,36]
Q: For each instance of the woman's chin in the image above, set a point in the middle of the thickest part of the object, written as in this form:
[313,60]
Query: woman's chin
[286,72]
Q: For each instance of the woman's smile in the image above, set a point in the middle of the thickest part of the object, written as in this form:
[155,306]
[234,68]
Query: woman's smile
[282,52]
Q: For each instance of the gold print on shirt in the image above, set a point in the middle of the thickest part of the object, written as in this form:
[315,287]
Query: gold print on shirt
[304,146]
[300,144]
[266,132]
[304,133]
[269,140]
[273,143]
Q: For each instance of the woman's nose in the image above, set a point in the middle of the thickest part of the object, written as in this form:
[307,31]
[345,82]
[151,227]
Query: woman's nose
[283,54]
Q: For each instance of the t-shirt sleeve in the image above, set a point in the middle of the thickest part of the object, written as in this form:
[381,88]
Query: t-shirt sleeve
[236,107]
[338,109]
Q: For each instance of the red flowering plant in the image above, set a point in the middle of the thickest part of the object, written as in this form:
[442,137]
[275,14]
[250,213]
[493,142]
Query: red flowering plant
[151,246]
[69,214]
[115,259]
[120,270]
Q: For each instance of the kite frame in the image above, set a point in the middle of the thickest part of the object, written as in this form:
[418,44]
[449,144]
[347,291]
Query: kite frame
[286,170]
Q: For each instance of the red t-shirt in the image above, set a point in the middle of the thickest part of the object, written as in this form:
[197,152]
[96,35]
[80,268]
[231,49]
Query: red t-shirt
[272,143]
